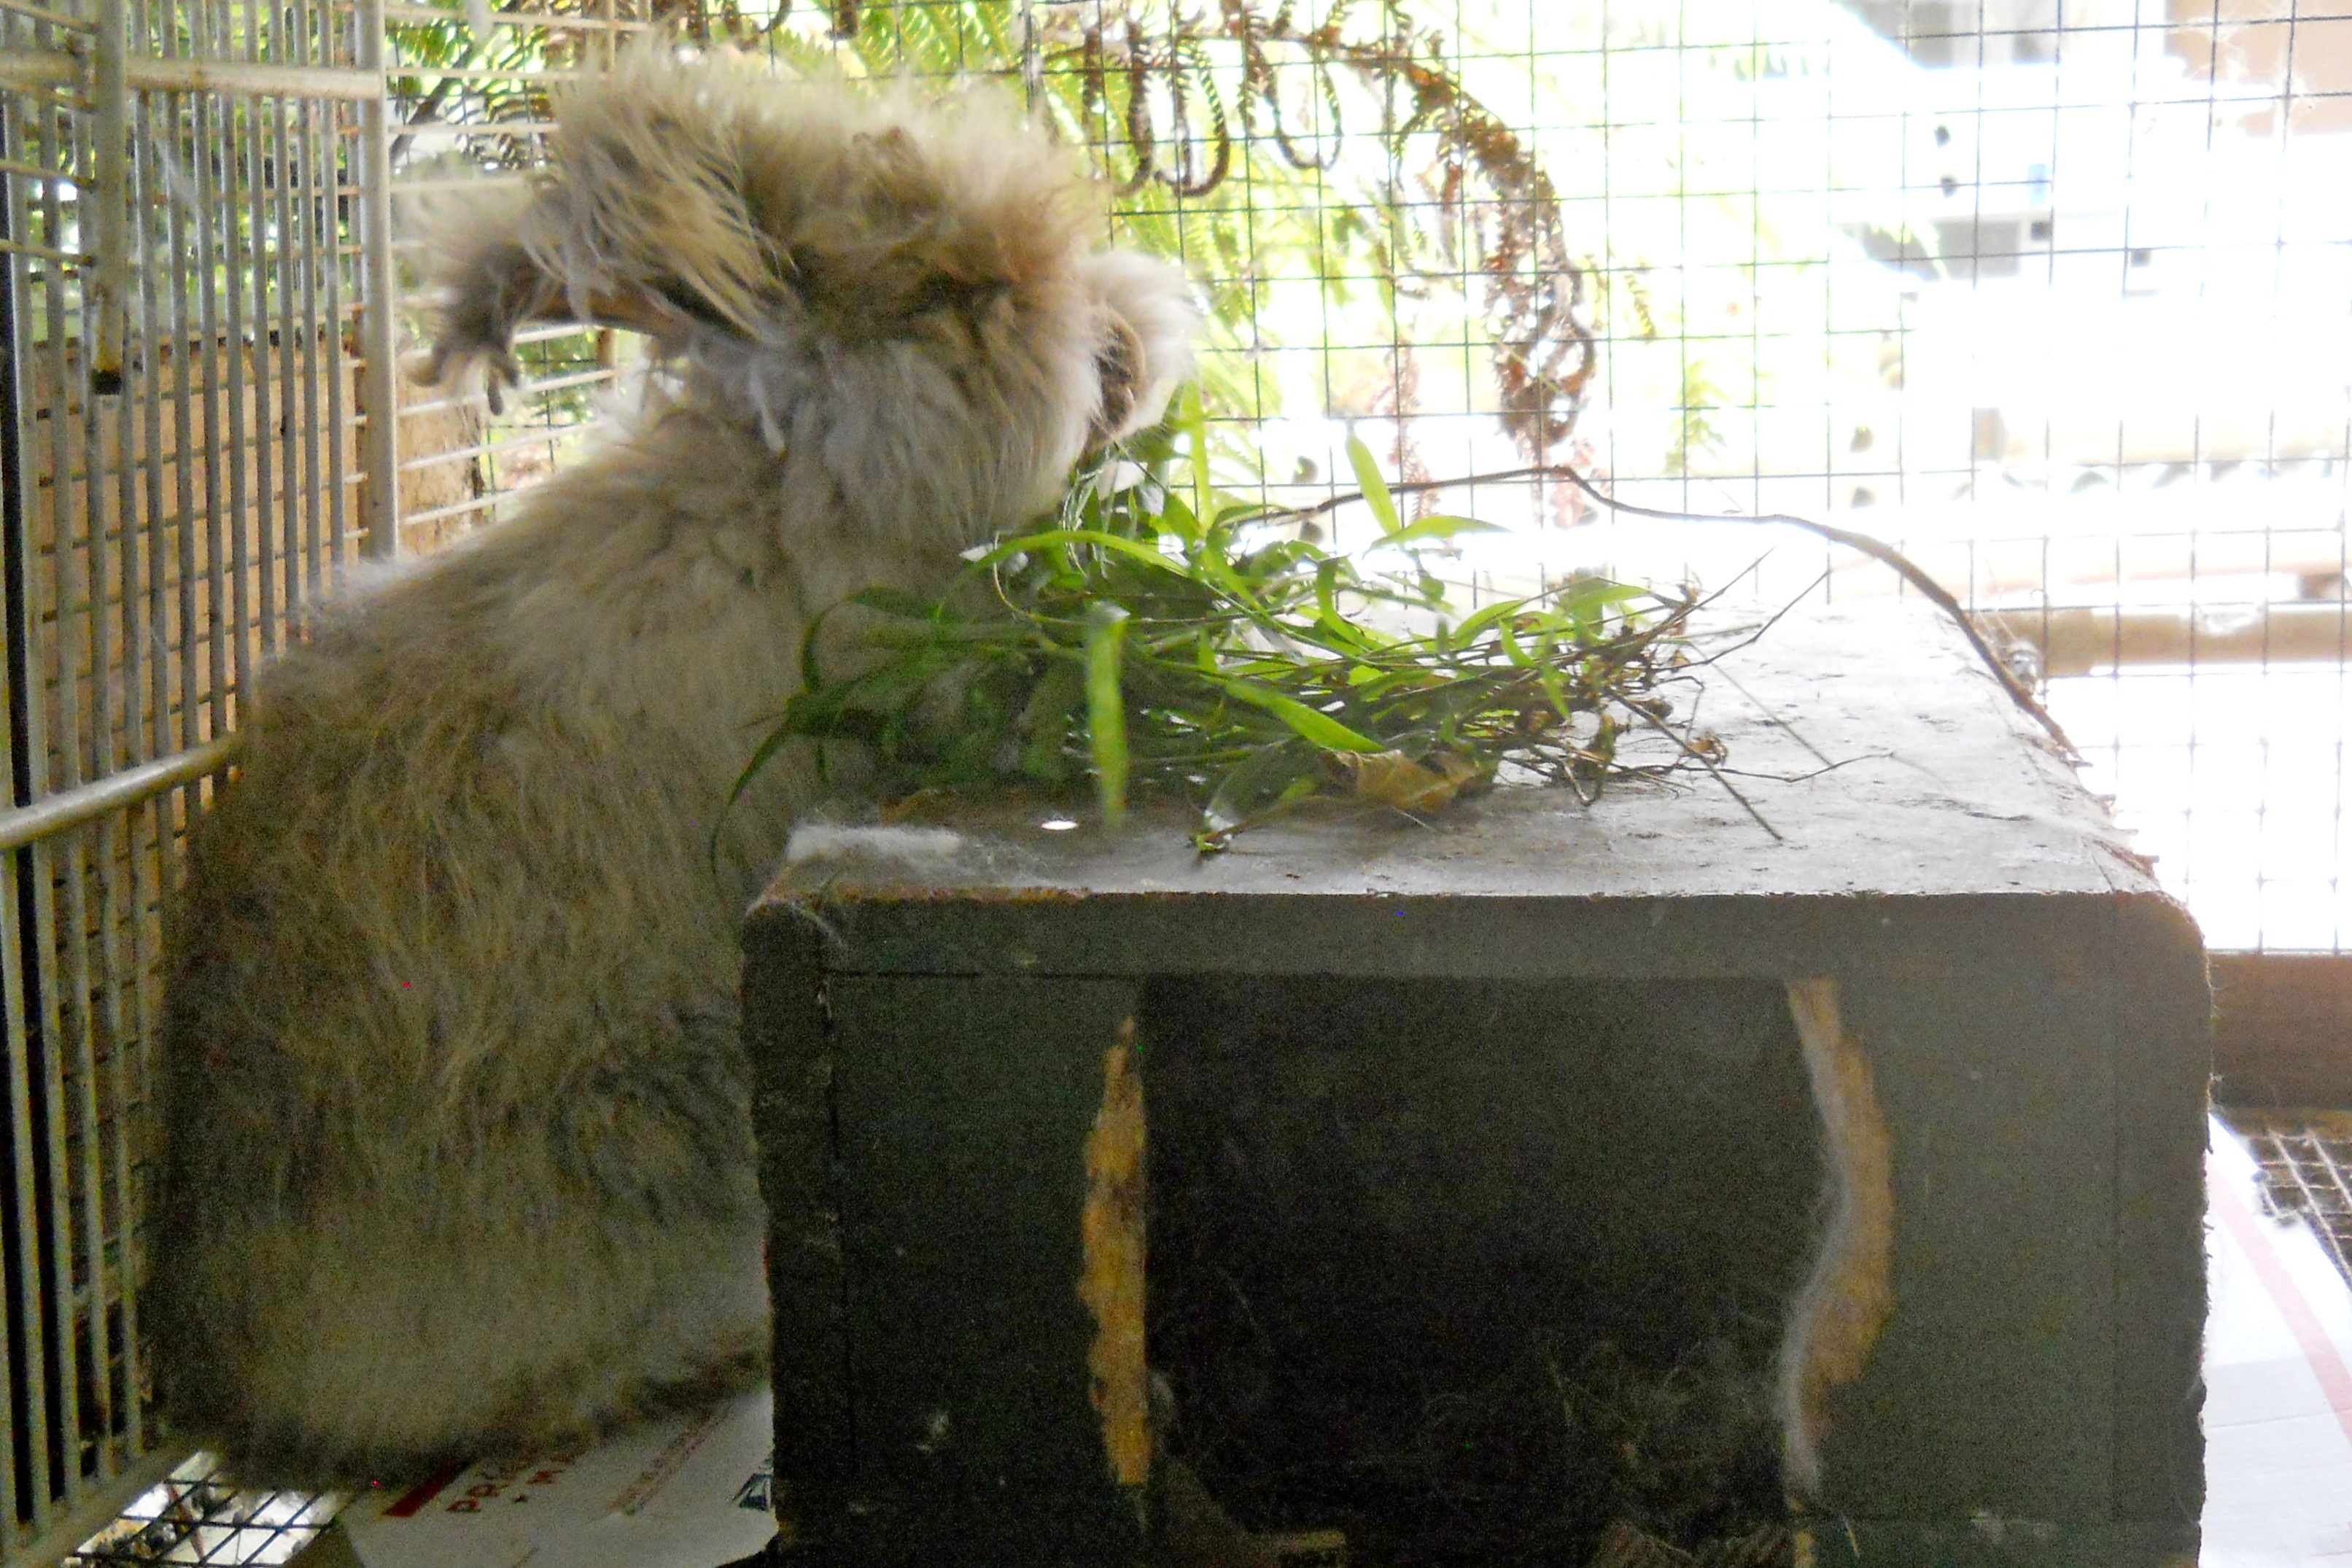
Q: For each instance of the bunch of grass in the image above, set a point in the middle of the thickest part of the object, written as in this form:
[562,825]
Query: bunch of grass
[1169,638]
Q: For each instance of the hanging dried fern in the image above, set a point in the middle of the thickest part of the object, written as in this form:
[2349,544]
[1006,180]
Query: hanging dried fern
[1385,166]
[1479,179]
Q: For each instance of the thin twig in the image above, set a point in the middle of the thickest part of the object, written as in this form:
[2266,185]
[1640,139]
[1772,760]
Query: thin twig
[1751,637]
[1702,759]
[1773,718]
[1826,767]
[1877,550]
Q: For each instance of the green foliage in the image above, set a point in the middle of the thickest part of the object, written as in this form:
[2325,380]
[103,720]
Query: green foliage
[1697,436]
[1148,644]
[1294,164]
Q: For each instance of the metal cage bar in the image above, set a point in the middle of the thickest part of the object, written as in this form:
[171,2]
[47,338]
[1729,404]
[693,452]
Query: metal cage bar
[205,306]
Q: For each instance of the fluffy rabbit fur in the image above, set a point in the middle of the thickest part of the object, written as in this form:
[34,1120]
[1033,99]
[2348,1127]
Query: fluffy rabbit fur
[459,1158]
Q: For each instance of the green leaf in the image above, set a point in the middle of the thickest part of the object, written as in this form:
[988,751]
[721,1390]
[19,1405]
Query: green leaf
[1173,516]
[776,740]
[1266,775]
[897,602]
[1194,422]
[1327,581]
[1047,719]
[1106,712]
[1067,537]
[1375,489]
[1321,729]
[1439,525]
[1511,649]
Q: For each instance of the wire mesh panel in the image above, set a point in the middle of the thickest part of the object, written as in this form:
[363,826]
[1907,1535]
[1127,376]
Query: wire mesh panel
[196,1514]
[2055,296]
[178,432]
[2305,1162]
[2052,296]
[203,421]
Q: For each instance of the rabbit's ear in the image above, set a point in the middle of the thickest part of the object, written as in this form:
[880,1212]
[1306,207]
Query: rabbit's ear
[493,283]
[1119,360]
[1145,350]
[640,222]
[489,287]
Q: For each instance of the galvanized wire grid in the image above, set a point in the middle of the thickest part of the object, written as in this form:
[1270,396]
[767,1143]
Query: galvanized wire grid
[2050,296]
[178,459]
[197,1515]
[2306,1160]
[196,229]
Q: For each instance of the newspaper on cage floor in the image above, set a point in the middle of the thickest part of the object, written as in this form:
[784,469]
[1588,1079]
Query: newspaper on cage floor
[688,1493]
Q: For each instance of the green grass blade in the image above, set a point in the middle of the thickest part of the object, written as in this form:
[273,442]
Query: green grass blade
[1375,489]
[1194,420]
[1105,711]
[1321,729]
[1438,525]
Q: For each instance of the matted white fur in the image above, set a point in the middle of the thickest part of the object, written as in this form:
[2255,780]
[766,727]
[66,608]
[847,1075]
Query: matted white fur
[460,1155]
[813,841]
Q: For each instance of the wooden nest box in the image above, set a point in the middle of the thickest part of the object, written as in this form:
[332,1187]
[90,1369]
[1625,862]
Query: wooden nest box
[1925,1076]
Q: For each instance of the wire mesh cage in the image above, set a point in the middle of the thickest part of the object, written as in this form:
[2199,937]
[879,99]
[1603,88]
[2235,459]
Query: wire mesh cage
[204,309]
[2305,1162]
[196,1514]
[2050,294]
[178,456]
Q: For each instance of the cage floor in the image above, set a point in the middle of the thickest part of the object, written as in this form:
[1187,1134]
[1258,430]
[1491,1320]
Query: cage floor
[2305,1163]
[2278,1352]
[194,1516]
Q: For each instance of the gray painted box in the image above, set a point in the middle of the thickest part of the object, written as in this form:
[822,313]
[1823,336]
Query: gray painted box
[2002,1360]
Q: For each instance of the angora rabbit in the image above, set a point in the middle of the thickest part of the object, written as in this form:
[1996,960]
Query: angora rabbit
[459,1152]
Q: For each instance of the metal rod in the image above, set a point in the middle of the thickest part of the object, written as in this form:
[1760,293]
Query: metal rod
[545,437]
[70,809]
[22,69]
[111,165]
[145,844]
[489,501]
[314,370]
[529,389]
[243,504]
[440,128]
[337,527]
[480,73]
[27,1440]
[504,18]
[176,686]
[80,754]
[32,1441]
[62,258]
[275,523]
[49,18]
[287,351]
[380,390]
[209,633]
[117,850]
[45,654]
[411,188]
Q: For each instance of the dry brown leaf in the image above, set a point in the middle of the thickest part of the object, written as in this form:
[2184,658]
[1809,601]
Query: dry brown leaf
[1392,778]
